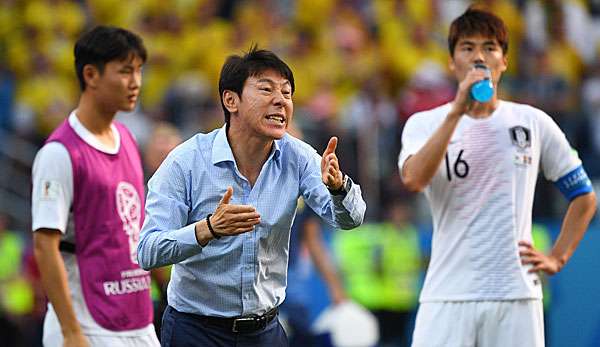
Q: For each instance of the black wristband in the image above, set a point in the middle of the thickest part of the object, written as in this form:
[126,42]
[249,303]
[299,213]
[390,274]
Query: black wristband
[339,191]
[210,228]
[343,189]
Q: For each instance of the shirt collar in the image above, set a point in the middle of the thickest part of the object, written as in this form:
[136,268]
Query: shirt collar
[221,150]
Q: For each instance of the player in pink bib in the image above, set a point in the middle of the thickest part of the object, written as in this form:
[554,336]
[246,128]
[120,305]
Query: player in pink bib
[89,173]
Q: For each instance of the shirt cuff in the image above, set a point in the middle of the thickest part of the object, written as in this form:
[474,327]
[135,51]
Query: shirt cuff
[349,200]
[352,203]
[186,235]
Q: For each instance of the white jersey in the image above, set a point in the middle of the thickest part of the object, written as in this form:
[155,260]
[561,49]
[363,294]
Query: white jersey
[481,199]
[51,199]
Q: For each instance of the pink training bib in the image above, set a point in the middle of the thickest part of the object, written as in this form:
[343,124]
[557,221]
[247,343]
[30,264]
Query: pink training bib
[108,211]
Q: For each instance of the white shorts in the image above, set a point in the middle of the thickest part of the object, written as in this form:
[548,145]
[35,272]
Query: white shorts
[480,324]
[145,337]
[104,341]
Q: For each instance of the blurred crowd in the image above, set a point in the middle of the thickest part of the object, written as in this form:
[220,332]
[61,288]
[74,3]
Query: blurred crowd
[361,69]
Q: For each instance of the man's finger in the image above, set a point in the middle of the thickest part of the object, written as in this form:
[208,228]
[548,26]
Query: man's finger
[245,216]
[245,224]
[331,146]
[227,197]
[329,178]
[538,267]
[239,209]
[334,162]
[525,244]
[243,230]
[526,252]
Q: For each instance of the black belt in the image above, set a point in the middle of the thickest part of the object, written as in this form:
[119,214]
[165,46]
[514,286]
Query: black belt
[245,324]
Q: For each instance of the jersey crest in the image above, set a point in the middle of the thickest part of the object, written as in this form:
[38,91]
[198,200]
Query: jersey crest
[520,136]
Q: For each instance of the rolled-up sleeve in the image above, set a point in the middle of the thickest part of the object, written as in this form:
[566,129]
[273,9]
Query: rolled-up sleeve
[345,212]
[166,238]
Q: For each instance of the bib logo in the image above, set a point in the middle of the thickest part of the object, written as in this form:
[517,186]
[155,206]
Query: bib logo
[129,208]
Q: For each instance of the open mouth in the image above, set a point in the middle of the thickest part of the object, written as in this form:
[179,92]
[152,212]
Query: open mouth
[277,118]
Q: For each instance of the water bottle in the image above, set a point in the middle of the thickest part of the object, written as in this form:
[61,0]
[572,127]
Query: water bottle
[483,90]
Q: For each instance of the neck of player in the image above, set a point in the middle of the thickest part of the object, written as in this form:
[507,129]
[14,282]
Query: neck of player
[96,118]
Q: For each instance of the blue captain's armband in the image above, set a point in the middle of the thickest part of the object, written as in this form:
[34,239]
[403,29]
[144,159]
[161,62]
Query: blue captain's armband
[574,183]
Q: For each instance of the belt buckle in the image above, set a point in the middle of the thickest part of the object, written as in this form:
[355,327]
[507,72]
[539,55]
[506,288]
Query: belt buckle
[243,321]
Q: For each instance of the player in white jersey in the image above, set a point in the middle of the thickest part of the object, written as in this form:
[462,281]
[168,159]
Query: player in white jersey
[477,163]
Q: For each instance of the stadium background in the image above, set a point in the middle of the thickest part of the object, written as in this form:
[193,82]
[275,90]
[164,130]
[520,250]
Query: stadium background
[361,68]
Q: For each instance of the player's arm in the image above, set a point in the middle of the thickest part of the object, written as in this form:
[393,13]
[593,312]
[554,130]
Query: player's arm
[578,189]
[561,165]
[54,279]
[51,198]
[318,253]
[576,221]
[418,170]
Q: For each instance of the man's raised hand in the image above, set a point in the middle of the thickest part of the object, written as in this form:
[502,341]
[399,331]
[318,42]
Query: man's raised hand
[230,219]
[330,168]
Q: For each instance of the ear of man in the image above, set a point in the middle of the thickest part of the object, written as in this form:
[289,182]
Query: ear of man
[230,100]
[91,75]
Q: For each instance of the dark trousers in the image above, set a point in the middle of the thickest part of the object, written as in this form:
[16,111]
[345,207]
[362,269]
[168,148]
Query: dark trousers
[298,319]
[394,328]
[188,330]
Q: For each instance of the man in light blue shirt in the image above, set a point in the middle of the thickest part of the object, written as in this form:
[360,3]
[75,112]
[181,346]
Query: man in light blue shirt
[221,206]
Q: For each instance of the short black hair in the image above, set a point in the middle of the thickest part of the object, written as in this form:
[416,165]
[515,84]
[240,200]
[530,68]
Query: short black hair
[237,69]
[104,44]
[476,21]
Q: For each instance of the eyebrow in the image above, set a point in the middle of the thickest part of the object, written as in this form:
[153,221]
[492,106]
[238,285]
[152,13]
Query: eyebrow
[473,43]
[132,67]
[268,80]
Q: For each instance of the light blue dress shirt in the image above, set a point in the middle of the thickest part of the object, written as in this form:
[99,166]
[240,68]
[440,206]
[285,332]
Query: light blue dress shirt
[242,274]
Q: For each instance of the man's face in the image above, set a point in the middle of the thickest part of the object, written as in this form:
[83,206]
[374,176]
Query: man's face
[118,86]
[471,50]
[265,107]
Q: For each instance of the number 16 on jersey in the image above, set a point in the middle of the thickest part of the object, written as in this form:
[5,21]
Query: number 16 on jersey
[460,168]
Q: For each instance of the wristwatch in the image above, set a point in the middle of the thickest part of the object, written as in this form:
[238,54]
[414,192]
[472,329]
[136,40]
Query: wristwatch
[344,189]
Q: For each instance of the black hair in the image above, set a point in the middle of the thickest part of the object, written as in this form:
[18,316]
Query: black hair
[104,44]
[237,69]
[478,22]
